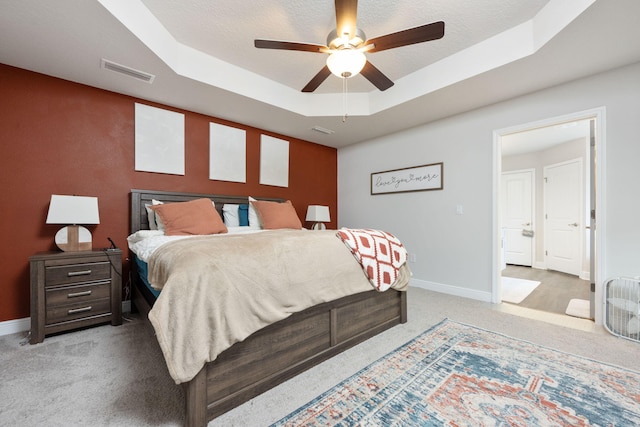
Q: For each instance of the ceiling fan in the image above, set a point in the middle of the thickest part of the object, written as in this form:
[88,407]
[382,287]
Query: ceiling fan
[347,44]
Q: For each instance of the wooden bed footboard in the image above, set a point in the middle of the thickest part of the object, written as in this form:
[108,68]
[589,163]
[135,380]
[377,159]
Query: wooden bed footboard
[286,348]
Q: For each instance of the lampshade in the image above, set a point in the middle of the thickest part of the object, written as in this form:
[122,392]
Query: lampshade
[73,210]
[317,213]
[346,62]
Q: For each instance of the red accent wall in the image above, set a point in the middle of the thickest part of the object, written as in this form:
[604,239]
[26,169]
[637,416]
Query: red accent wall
[59,137]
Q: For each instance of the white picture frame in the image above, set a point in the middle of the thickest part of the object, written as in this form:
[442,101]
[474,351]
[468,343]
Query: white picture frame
[274,161]
[159,140]
[417,178]
[227,153]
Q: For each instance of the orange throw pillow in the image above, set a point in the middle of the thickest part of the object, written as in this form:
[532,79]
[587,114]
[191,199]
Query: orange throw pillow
[276,215]
[192,217]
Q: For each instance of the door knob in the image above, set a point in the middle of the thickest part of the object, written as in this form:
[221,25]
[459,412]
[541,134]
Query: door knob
[575,224]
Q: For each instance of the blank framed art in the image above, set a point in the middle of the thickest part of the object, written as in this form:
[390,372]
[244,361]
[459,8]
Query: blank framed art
[159,139]
[274,161]
[227,153]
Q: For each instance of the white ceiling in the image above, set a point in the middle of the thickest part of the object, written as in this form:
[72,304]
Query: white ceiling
[231,39]
[202,55]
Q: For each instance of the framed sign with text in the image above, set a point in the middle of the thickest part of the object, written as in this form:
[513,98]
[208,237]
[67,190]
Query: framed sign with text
[417,178]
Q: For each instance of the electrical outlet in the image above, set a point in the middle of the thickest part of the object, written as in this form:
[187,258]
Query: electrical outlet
[412,257]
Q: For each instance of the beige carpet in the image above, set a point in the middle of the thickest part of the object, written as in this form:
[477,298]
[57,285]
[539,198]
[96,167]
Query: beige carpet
[516,290]
[115,376]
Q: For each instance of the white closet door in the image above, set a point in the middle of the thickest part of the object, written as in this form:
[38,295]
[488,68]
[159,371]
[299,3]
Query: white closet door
[517,216]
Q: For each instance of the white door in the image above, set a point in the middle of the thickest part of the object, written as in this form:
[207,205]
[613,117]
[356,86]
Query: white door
[517,216]
[563,198]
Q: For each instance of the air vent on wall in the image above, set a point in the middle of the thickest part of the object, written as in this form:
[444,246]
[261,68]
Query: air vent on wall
[136,74]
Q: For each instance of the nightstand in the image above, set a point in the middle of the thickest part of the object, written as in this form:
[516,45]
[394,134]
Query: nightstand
[72,290]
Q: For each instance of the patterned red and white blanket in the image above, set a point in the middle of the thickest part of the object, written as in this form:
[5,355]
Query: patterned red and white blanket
[381,254]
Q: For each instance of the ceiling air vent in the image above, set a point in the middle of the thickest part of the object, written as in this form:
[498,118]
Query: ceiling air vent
[136,74]
[323,130]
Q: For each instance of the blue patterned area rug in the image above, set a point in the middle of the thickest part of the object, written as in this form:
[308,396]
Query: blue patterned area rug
[459,375]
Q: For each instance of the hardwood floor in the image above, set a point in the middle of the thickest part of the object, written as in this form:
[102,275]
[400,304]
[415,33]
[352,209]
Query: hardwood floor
[555,290]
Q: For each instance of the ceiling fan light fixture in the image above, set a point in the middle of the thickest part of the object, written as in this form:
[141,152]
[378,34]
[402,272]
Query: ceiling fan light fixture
[346,63]
[342,41]
[347,45]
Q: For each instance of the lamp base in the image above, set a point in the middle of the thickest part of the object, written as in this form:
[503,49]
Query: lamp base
[74,238]
[319,226]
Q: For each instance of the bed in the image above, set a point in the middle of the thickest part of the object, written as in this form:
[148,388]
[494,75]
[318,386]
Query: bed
[278,351]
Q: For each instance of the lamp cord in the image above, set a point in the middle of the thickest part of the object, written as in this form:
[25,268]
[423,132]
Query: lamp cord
[106,251]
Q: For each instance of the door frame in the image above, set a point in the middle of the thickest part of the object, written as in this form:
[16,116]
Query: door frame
[599,115]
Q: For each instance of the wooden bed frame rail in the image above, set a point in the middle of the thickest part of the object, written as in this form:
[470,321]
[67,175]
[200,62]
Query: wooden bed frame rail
[279,351]
[287,348]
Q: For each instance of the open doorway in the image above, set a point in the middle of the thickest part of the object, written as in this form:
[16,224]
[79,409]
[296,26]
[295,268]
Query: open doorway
[545,231]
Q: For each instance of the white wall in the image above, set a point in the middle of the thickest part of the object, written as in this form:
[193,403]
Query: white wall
[454,252]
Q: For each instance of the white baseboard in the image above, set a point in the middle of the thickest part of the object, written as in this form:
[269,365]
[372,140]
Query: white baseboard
[15,326]
[452,290]
[585,275]
[21,325]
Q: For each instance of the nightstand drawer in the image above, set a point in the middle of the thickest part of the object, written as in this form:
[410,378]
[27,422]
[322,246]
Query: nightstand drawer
[77,293]
[63,313]
[74,273]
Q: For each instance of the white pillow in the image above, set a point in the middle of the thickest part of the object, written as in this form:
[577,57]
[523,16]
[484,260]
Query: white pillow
[254,218]
[230,215]
[151,217]
[157,221]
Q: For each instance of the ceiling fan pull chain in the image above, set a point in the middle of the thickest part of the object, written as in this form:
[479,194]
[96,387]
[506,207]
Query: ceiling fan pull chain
[344,99]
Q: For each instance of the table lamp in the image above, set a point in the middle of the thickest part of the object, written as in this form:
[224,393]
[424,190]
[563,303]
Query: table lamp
[73,210]
[318,215]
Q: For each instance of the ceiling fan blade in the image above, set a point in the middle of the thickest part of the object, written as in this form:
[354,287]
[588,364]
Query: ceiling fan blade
[420,34]
[346,17]
[317,80]
[275,44]
[376,77]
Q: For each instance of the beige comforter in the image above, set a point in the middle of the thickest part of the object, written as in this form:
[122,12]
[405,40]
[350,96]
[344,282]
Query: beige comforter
[218,290]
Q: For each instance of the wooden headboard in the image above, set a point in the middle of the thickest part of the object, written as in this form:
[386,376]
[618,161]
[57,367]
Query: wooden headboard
[140,221]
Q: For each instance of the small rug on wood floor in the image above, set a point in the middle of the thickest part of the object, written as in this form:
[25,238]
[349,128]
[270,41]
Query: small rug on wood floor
[455,374]
[516,290]
[579,308]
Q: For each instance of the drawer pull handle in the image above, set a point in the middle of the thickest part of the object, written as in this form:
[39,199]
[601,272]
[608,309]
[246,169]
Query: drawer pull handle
[78,273]
[78,294]
[79,310]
